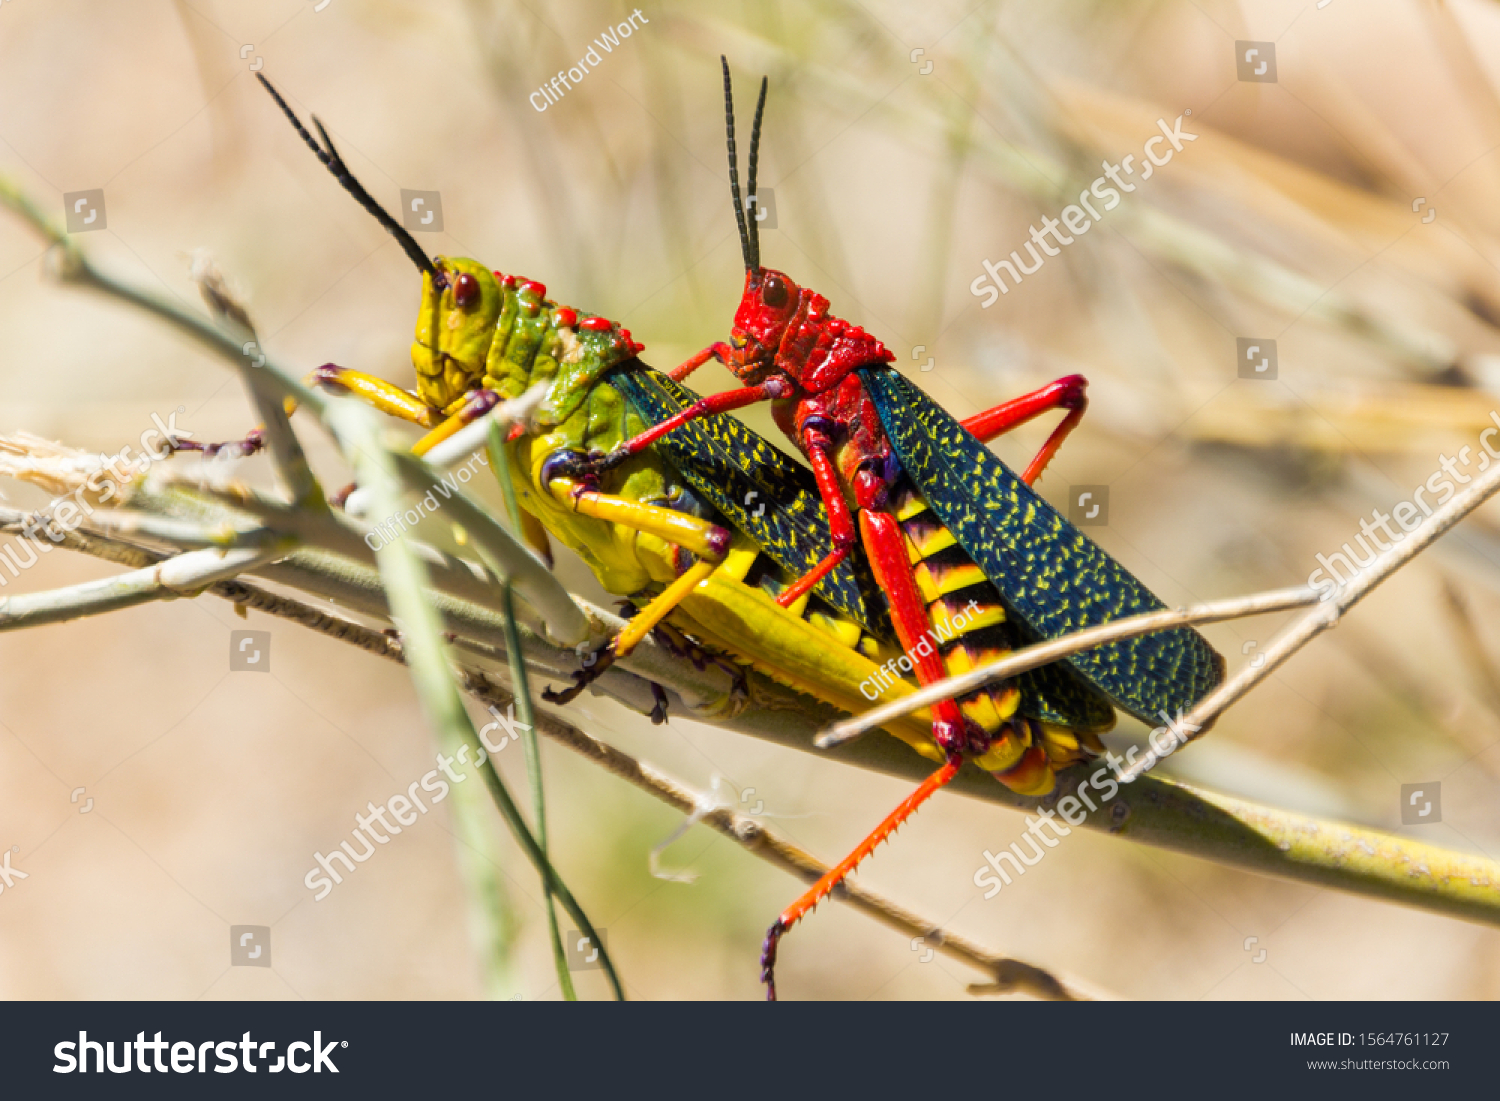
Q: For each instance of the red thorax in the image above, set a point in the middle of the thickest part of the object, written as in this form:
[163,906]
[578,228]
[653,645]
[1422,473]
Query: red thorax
[783,330]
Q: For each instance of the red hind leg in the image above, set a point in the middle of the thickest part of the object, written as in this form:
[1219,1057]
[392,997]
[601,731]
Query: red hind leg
[834,876]
[886,548]
[1070,393]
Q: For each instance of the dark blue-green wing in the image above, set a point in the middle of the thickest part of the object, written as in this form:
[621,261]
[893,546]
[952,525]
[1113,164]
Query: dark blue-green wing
[1053,577]
[759,489]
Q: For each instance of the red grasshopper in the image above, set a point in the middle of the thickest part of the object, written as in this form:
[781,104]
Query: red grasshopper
[835,397]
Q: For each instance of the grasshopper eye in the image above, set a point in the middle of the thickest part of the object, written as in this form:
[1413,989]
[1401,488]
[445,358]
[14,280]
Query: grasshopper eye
[773,294]
[465,290]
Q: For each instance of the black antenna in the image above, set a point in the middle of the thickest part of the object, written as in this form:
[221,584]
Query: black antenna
[752,261]
[335,164]
[750,180]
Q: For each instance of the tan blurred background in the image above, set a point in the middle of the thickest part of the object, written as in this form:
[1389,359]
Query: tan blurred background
[1293,217]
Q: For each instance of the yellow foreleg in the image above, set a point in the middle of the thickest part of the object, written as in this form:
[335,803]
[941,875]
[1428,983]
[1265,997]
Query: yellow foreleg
[660,607]
[385,396]
[697,536]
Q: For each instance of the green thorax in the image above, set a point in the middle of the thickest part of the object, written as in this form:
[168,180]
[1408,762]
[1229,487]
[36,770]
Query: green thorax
[507,336]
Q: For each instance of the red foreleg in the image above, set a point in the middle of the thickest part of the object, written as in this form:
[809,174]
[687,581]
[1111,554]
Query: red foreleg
[719,351]
[1070,393]
[703,407]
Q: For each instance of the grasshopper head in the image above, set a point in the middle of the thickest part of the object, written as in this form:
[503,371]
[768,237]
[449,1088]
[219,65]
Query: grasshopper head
[788,327]
[461,302]
[779,325]
[769,306]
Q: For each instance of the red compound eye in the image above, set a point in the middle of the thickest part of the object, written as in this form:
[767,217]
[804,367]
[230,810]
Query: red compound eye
[465,290]
[774,293]
[566,317]
[596,324]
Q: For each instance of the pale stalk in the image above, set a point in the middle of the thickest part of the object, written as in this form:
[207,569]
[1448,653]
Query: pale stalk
[184,575]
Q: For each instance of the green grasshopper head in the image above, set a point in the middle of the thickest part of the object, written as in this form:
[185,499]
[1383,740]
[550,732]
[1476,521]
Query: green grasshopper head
[461,302]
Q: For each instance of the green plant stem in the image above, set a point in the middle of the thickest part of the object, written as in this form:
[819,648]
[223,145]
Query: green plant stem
[526,718]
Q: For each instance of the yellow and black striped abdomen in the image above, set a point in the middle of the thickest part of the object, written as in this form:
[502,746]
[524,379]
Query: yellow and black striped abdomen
[969,627]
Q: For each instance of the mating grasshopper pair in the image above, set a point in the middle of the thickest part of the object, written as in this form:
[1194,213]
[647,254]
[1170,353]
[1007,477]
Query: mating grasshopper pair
[652,486]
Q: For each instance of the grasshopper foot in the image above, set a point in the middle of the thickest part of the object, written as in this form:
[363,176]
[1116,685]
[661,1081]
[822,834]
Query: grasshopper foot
[659,711]
[593,665]
[679,645]
[584,467]
[768,957]
[254,441]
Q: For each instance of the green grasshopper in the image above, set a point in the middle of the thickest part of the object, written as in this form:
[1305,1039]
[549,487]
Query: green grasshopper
[710,526]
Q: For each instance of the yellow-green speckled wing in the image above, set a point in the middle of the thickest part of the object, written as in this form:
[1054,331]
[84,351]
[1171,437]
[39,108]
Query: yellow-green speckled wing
[1054,578]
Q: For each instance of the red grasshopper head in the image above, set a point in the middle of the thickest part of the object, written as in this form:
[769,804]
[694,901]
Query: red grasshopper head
[780,326]
[783,326]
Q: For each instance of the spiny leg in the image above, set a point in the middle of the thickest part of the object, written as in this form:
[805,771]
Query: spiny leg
[1070,393]
[836,875]
[886,549]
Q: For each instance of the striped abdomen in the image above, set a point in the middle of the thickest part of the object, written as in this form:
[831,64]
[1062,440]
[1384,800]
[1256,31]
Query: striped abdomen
[969,627]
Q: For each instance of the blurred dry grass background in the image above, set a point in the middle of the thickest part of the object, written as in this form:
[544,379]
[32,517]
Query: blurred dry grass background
[1289,218]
